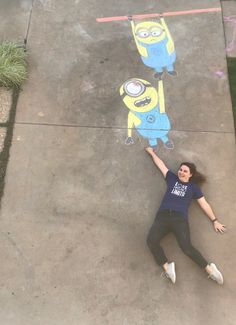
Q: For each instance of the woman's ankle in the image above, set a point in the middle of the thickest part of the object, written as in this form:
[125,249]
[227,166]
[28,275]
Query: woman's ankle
[208,269]
[165,266]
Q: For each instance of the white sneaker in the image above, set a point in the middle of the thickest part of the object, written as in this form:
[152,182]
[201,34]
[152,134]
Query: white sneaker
[215,274]
[170,272]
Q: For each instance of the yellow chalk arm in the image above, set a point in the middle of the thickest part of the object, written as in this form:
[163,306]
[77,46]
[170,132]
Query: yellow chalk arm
[170,44]
[161,97]
[142,50]
[132,121]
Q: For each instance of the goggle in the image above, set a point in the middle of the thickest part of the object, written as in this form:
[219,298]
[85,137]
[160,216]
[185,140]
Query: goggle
[134,88]
[144,33]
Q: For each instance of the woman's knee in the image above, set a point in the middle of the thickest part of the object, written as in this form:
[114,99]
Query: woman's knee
[151,240]
[187,249]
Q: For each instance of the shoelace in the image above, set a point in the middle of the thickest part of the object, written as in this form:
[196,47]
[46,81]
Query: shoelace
[164,274]
[213,277]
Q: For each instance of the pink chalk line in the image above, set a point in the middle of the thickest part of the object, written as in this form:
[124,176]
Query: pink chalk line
[165,14]
[231,45]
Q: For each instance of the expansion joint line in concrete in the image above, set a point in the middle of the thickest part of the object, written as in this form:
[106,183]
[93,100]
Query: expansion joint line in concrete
[115,127]
[28,24]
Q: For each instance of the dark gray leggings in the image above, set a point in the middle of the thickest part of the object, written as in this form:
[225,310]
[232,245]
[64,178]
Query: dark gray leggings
[172,221]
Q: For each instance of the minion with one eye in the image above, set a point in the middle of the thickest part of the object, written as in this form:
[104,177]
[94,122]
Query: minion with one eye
[155,45]
[146,111]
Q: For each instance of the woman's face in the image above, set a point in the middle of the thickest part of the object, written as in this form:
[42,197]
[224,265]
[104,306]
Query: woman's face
[184,173]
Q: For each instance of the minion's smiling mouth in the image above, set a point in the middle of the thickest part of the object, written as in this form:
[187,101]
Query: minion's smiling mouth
[142,102]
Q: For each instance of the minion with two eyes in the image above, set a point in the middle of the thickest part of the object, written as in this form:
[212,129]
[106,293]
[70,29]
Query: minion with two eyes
[146,111]
[155,45]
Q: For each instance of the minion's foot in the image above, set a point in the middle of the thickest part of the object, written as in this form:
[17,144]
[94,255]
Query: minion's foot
[169,144]
[154,148]
[173,73]
[158,75]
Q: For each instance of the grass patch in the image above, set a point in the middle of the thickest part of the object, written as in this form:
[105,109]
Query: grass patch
[13,66]
[13,71]
[232,83]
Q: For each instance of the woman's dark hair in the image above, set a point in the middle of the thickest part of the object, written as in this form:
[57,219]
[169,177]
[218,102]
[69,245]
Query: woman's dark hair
[196,177]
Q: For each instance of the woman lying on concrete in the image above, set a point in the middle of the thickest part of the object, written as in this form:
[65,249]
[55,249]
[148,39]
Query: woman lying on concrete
[172,216]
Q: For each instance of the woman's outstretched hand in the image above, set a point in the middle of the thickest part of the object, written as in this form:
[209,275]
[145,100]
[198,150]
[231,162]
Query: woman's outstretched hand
[219,227]
[150,150]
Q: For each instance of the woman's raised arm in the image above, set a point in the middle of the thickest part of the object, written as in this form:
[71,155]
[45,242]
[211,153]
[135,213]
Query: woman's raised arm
[158,162]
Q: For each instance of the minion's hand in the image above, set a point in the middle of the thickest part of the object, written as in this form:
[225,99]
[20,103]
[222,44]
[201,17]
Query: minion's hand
[130,18]
[129,141]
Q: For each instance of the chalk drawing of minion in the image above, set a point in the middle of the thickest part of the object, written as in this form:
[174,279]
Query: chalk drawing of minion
[155,45]
[146,111]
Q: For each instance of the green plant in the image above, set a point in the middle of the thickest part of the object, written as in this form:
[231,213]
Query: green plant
[13,65]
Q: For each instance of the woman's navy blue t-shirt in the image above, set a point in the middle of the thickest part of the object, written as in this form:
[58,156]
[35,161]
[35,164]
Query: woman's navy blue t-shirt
[178,195]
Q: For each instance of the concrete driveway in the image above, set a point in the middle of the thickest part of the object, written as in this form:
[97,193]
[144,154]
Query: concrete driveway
[78,202]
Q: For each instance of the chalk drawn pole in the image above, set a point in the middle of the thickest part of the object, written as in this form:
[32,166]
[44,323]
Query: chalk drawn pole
[165,14]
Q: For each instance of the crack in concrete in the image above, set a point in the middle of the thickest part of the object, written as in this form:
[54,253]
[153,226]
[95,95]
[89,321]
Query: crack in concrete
[28,267]
[28,24]
[115,128]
